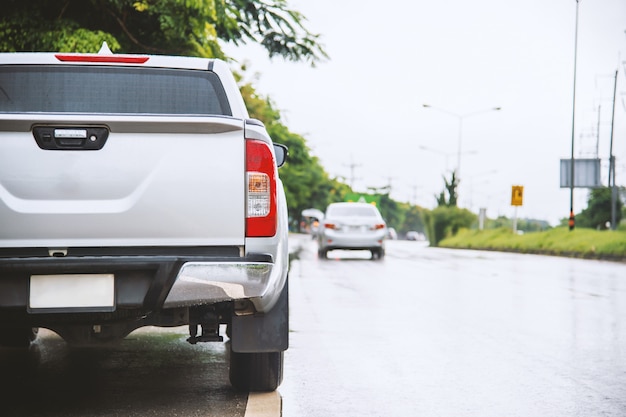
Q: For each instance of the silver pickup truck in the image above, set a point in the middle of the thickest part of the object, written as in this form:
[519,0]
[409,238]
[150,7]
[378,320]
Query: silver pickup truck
[136,191]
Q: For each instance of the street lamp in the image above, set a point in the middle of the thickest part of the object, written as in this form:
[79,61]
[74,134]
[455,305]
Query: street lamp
[460,117]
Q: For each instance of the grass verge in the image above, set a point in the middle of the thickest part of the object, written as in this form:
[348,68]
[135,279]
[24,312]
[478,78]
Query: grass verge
[560,241]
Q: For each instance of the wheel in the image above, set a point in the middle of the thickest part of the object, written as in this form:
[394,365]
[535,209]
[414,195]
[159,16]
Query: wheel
[261,371]
[18,337]
[322,253]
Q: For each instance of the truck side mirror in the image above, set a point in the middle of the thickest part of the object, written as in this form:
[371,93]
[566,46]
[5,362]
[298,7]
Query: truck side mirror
[281,152]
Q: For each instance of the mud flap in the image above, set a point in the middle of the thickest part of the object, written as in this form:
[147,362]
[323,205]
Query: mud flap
[267,332]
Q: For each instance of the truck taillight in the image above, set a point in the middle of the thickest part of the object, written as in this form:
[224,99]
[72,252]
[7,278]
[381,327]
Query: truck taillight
[261,176]
[104,55]
[116,59]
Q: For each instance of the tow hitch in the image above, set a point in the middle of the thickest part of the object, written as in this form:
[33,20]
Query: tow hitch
[209,323]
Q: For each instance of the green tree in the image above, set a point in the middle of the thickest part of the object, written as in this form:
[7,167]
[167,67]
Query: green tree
[391,211]
[306,183]
[447,218]
[413,219]
[598,211]
[448,197]
[176,27]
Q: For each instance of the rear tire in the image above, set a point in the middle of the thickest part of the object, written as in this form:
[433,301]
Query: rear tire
[18,337]
[262,371]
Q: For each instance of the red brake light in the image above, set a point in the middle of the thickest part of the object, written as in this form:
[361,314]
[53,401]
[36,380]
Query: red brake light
[329,226]
[261,216]
[378,226]
[118,59]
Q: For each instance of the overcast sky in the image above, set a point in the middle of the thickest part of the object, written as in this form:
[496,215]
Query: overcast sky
[363,108]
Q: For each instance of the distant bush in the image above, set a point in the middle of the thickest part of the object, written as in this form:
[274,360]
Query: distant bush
[444,221]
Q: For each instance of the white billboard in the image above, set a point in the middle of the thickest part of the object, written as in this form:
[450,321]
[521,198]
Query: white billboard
[586,173]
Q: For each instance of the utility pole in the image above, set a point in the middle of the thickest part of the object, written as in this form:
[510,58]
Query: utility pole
[612,164]
[415,187]
[389,180]
[352,166]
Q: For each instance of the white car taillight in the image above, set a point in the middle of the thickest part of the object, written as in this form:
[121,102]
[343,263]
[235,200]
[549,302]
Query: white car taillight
[261,178]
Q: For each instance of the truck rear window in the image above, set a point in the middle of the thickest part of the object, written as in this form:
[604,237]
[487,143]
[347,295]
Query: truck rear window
[114,90]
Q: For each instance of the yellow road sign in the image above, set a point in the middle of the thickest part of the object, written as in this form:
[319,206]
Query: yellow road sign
[517,195]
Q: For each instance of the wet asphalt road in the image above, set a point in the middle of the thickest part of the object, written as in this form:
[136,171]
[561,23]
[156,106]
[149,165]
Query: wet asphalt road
[153,372]
[434,332]
[425,332]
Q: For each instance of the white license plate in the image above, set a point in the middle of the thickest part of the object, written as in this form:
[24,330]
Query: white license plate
[72,291]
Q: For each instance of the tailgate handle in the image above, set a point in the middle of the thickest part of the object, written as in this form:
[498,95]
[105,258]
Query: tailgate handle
[53,138]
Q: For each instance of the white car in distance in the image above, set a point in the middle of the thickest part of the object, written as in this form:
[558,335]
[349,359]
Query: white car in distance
[352,226]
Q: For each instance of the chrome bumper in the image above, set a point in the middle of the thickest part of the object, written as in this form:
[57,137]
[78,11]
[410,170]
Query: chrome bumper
[199,282]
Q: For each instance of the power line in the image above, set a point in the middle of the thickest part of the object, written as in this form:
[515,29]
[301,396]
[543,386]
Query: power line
[352,165]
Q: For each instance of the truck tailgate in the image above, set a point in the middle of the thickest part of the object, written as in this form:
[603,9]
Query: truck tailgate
[63,198]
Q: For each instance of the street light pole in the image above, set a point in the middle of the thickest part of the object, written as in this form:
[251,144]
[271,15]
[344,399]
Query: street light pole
[572,220]
[460,118]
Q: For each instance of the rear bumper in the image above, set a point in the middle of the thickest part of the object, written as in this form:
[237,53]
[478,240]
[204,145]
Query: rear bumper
[198,282]
[150,283]
[352,240]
